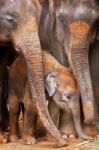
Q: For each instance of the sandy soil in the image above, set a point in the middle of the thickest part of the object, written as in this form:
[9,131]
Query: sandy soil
[42,144]
[73,144]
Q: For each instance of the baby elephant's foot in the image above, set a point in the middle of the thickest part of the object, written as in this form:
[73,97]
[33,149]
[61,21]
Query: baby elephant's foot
[65,136]
[3,138]
[14,137]
[68,131]
[29,140]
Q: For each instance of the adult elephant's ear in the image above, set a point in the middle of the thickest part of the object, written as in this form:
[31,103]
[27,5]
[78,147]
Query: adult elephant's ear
[50,83]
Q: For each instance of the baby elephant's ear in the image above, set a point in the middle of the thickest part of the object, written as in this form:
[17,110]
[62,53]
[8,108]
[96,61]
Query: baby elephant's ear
[50,83]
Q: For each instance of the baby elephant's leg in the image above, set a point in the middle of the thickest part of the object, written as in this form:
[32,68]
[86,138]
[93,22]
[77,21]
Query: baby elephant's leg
[54,111]
[66,125]
[30,119]
[14,112]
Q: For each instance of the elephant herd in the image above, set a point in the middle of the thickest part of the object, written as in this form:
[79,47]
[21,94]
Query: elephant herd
[49,69]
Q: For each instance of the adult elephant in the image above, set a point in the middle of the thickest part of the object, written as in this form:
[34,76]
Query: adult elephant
[65,28]
[94,62]
[18,27]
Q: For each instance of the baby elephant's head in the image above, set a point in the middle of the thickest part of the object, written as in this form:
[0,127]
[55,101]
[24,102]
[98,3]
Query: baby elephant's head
[62,85]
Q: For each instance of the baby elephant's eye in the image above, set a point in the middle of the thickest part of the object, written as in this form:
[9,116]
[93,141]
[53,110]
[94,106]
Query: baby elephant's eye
[68,96]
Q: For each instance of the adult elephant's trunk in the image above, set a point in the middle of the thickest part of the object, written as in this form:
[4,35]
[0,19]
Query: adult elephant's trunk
[79,61]
[77,120]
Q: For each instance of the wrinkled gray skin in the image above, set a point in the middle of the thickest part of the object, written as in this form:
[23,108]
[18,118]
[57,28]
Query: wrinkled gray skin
[65,28]
[18,26]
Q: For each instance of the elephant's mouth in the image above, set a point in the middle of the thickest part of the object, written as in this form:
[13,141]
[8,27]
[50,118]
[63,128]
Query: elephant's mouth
[64,105]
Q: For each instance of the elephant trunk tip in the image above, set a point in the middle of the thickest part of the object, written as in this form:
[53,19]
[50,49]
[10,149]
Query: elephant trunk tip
[62,143]
[52,130]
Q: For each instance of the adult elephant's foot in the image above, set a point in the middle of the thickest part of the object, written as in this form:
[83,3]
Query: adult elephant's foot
[91,131]
[13,137]
[29,140]
[3,138]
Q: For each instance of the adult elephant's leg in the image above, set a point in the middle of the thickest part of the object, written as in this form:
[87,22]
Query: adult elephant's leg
[27,41]
[54,111]
[14,112]
[30,118]
[3,100]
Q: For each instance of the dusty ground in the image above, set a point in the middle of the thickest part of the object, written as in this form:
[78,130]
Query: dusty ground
[73,144]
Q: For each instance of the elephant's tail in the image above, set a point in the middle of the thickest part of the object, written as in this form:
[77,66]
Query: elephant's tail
[93,34]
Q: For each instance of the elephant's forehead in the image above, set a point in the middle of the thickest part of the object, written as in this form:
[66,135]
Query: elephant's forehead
[9,5]
[63,86]
[14,12]
[66,80]
[77,9]
[15,7]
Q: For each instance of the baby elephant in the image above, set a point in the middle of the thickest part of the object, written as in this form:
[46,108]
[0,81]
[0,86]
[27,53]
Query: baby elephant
[61,86]
[63,90]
